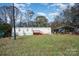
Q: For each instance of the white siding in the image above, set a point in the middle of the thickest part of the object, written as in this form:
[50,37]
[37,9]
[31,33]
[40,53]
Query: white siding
[20,31]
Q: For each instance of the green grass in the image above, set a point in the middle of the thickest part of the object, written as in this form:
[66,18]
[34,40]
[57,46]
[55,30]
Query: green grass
[41,45]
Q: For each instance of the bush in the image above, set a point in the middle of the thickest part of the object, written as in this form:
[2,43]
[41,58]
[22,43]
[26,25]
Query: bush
[6,28]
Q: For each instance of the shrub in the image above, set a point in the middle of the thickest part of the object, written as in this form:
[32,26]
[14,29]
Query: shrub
[6,28]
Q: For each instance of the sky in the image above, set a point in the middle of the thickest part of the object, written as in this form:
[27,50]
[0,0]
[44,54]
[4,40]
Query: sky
[49,10]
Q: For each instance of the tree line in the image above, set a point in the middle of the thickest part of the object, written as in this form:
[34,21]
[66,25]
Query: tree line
[6,12]
[69,16]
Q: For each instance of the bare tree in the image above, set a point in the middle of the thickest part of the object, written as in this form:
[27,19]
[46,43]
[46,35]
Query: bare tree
[10,13]
[29,15]
[3,13]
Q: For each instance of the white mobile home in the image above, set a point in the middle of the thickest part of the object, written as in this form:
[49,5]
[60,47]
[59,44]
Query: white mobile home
[20,31]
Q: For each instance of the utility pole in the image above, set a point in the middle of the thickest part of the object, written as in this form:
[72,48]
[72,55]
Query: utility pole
[14,22]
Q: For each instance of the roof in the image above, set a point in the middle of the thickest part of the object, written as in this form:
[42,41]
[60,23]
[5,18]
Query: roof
[64,26]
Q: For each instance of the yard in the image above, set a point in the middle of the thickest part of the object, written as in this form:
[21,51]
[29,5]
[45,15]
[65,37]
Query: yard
[41,45]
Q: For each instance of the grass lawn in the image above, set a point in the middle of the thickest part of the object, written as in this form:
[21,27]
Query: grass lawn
[41,45]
